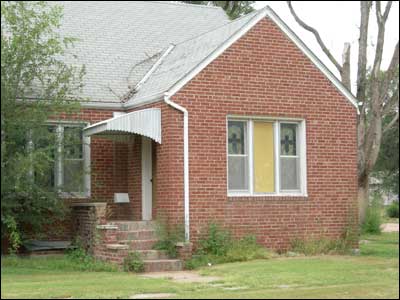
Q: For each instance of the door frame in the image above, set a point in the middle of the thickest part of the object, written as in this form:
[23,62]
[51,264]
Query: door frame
[147,178]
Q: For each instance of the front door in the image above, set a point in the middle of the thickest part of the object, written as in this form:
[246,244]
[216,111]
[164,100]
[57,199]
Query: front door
[147,170]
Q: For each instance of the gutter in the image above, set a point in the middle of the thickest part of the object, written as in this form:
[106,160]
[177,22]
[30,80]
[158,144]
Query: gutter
[185,160]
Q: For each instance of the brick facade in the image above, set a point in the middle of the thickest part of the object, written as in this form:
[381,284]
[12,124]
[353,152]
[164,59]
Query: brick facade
[262,74]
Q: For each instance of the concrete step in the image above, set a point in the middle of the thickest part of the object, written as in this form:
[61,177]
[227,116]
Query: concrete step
[117,246]
[133,225]
[153,254]
[163,265]
[139,244]
[132,235]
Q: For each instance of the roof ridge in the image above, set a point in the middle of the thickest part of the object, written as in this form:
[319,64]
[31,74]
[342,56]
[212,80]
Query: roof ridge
[186,4]
[255,13]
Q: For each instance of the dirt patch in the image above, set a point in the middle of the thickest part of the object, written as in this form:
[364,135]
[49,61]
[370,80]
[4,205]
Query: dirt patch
[390,227]
[183,277]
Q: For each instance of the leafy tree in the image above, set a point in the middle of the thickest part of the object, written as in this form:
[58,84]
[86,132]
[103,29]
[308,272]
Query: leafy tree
[233,9]
[35,85]
[387,165]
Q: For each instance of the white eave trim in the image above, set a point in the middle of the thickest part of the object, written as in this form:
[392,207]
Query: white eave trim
[145,122]
[267,11]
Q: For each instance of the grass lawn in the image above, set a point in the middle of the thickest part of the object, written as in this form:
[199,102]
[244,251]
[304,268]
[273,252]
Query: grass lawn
[373,274]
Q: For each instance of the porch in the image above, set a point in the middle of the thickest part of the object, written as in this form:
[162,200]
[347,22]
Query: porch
[129,144]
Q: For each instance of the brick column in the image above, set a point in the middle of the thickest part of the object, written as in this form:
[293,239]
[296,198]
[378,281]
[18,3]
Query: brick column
[86,217]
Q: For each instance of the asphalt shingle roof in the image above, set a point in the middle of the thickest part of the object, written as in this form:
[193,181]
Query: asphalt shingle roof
[186,56]
[119,41]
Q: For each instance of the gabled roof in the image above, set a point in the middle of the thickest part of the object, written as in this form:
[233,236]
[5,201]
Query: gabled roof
[119,41]
[182,62]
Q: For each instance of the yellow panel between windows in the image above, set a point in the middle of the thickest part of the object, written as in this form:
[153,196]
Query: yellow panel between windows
[263,141]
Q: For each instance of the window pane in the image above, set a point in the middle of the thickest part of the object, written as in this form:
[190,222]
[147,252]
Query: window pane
[238,174]
[73,142]
[73,176]
[288,139]
[44,142]
[289,173]
[237,137]
[264,167]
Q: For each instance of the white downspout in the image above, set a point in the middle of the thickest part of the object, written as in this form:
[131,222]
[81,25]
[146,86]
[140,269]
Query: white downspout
[185,161]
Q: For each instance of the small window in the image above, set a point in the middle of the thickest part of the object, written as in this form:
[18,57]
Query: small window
[73,163]
[289,158]
[237,155]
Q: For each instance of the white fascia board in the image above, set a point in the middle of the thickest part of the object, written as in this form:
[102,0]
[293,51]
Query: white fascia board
[101,105]
[143,101]
[266,12]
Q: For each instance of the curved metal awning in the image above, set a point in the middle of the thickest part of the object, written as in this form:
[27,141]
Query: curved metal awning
[146,122]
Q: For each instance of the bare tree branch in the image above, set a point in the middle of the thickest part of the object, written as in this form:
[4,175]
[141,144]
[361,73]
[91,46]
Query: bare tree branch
[362,53]
[317,36]
[392,123]
[391,72]
[381,20]
[345,74]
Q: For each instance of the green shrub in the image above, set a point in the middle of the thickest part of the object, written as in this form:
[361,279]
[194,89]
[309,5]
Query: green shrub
[312,247]
[216,242]
[373,217]
[78,259]
[246,249]
[217,246]
[392,211]
[134,263]
[168,237]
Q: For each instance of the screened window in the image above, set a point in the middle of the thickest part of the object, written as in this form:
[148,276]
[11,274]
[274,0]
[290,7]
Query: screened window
[69,154]
[266,157]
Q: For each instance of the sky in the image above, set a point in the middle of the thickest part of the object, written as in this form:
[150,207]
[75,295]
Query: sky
[338,23]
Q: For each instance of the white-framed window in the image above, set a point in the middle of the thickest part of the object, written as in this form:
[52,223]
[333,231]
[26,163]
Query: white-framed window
[266,157]
[70,172]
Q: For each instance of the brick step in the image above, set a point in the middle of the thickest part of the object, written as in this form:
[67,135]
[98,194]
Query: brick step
[163,265]
[153,254]
[139,244]
[136,235]
[133,225]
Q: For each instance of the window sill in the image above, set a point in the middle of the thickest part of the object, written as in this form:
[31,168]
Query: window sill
[74,196]
[268,197]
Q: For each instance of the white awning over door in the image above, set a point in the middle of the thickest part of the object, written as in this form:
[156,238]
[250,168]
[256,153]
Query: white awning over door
[146,122]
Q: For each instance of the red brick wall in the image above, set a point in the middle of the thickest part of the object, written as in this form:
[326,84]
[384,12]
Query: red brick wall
[113,164]
[262,74]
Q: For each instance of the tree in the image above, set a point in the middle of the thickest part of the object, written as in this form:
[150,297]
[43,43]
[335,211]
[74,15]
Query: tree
[387,165]
[377,102]
[233,9]
[35,85]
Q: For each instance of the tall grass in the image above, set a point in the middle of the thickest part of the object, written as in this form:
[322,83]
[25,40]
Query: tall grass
[373,217]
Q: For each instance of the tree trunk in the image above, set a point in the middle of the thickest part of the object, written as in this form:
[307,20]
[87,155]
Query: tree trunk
[363,198]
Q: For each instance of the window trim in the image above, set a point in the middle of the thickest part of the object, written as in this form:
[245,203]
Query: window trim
[59,125]
[302,153]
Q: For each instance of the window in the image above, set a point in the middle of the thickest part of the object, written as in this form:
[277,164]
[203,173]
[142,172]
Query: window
[238,156]
[266,157]
[71,154]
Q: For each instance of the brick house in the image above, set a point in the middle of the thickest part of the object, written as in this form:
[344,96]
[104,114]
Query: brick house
[205,120]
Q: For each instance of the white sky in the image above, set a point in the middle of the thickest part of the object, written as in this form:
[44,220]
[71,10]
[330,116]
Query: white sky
[337,23]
